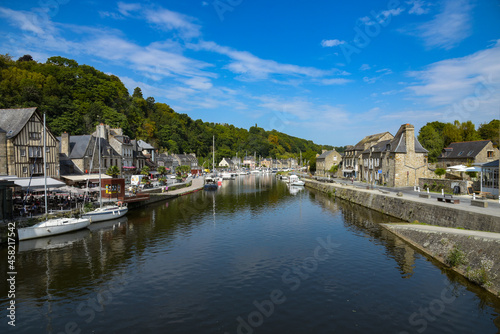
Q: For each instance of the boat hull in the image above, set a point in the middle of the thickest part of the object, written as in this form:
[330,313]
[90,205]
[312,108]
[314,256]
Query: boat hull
[52,227]
[100,215]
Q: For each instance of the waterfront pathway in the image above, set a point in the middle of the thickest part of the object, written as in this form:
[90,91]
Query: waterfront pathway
[409,193]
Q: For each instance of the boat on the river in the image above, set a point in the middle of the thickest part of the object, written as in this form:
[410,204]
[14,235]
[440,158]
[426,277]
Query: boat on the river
[107,212]
[53,226]
[295,181]
[210,183]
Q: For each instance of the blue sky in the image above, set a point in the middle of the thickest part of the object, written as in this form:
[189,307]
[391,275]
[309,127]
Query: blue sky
[329,71]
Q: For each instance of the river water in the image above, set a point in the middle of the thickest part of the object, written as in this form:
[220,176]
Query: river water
[252,257]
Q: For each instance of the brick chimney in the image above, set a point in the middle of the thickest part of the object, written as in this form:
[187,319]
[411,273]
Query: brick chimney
[65,144]
[409,138]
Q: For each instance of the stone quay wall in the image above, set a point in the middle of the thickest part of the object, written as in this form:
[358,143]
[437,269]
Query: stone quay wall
[410,210]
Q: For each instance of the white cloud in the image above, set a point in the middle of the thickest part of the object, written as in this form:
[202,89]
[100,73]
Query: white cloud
[126,8]
[381,17]
[468,84]
[364,67]
[328,43]
[448,28]
[250,67]
[382,72]
[28,21]
[334,81]
[419,7]
[169,20]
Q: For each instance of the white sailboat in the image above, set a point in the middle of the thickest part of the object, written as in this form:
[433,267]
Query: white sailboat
[50,226]
[107,212]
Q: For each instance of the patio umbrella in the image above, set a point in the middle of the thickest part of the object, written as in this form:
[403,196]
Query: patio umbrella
[457,168]
[73,190]
[94,189]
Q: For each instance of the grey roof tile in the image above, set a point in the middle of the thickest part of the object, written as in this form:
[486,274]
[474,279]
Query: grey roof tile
[13,120]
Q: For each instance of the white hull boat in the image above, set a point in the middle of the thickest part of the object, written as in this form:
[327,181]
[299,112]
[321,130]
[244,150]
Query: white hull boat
[52,227]
[295,181]
[106,213]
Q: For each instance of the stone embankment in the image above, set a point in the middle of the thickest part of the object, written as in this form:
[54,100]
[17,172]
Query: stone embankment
[413,208]
[459,238]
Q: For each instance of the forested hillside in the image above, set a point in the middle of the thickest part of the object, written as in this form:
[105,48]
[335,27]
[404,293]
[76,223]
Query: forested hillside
[76,97]
[435,136]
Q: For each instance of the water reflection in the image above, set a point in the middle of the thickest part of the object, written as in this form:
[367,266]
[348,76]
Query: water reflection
[196,263]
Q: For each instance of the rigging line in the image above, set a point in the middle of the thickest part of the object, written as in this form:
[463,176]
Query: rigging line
[90,168]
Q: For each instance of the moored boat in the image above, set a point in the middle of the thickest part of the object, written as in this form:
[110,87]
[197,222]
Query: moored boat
[52,227]
[107,212]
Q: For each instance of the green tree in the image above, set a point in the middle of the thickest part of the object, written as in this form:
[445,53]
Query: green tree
[468,131]
[440,171]
[145,170]
[490,131]
[162,170]
[431,139]
[113,171]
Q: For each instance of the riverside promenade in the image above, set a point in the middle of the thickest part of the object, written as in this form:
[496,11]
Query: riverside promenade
[407,205]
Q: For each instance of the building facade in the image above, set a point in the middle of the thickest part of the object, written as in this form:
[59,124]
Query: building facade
[326,160]
[469,152]
[22,142]
[352,162]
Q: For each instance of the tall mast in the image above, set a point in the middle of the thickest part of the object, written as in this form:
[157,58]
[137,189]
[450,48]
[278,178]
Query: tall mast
[45,162]
[213,154]
[100,190]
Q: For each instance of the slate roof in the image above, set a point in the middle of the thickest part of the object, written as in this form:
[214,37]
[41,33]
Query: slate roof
[398,143]
[379,147]
[371,138]
[325,154]
[78,146]
[463,150]
[13,120]
[81,146]
[491,164]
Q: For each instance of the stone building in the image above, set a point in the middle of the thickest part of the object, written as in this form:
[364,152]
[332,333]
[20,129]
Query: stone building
[21,144]
[120,143]
[187,160]
[352,164]
[326,161]
[469,152]
[397,162]
[81,154]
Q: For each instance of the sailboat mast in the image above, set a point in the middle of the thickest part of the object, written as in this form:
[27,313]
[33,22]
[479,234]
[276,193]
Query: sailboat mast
[45,162]
[213,154]
[100,190]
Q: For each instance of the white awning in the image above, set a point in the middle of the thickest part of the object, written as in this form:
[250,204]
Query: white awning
[79,178]
[37,183]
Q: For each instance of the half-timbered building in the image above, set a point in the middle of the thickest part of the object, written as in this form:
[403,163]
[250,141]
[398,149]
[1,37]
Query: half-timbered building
[21,144]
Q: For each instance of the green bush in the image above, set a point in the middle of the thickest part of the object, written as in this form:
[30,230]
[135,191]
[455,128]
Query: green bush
[456,257]
[440,171]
